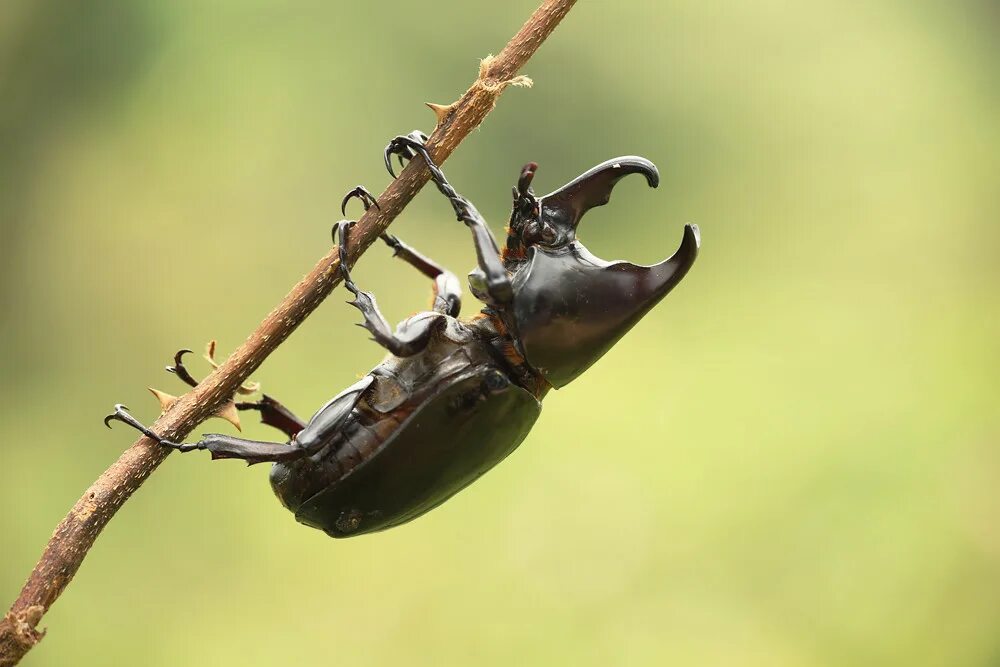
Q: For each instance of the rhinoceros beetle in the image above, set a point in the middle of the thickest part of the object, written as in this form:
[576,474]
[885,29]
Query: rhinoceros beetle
[454,397]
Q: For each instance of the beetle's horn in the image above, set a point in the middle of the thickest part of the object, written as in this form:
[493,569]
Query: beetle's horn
[670,271]
[524,182]
[566,206]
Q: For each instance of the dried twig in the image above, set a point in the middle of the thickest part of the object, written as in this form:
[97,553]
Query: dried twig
[75,535]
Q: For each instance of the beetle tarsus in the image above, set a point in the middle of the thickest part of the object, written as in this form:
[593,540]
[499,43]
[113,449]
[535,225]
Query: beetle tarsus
[404,147]
[272,413]
[221,446]
[360,192]
[122,415]
[340,237]
[180,370]
[367,200]
[411,145]
[497,279]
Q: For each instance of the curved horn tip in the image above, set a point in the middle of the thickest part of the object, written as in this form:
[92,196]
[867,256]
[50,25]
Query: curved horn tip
[691,230]
[635,163]
[652,174]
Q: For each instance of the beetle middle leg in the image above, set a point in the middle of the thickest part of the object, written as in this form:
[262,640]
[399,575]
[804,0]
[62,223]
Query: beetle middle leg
[221,446]
[272,413]
[411,337]
[447,288]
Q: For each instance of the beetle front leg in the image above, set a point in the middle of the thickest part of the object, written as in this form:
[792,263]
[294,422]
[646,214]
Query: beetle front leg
[497,281]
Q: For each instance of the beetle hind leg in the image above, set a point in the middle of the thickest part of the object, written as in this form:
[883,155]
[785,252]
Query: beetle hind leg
[220,446]
[272,413]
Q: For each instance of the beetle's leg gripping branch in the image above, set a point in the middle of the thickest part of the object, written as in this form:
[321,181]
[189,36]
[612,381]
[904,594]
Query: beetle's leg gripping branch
[487,251]
[272,413]
[409,147]
[221,446]
[447,288]
[410,339]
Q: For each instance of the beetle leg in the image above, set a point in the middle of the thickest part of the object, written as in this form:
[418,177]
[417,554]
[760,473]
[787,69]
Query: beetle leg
[402,147]
[488,253]
[272,413]
[312,440]
[221,446]
[410,339]
[360,192]
[447,288]
[180,370]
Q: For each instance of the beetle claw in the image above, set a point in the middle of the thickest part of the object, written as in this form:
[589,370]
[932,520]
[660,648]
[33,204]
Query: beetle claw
[340,237]
[180,370]
[407,147]
[360,192]
[115,416]
[388,162]
[121,414]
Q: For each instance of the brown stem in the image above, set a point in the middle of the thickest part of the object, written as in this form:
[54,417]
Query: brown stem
[76,533]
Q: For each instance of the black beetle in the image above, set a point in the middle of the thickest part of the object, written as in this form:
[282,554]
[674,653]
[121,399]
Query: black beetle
[454,397]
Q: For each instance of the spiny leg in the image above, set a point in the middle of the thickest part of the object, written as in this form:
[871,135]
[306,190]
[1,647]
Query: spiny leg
[498,285]
[313,441]
[272,413]
[447,288]
[410,339]
[221,446]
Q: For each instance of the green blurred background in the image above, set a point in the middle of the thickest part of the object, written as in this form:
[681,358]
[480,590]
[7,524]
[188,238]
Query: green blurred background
[792,461]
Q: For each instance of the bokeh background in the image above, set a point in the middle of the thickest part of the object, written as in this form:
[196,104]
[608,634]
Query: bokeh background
[792,461]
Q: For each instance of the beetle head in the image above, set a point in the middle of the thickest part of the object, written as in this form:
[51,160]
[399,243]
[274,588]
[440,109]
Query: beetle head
[551,221]
[570,306]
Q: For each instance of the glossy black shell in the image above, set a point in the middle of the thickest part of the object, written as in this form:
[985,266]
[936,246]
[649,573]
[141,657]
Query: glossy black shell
[426,428]
[571,307]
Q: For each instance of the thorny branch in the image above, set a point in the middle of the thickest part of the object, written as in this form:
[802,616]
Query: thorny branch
[74,536]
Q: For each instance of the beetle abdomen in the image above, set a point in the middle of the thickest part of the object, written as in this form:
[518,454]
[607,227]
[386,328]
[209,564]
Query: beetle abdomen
[447,442]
